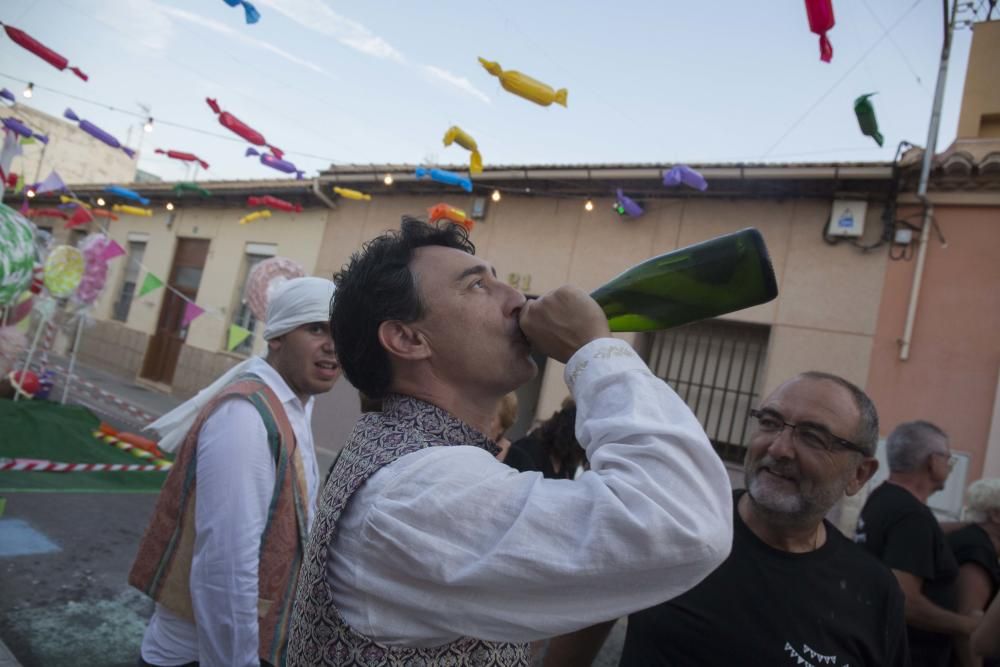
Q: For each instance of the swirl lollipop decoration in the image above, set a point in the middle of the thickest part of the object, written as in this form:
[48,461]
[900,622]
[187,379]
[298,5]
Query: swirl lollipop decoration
[17,254]
[63,270]
[265,278]
[95,272]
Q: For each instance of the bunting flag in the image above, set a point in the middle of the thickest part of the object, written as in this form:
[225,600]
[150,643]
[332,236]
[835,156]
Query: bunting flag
[191,312]
[52,183]
[27,141]
[81,216]
[149,284]
[111,250]
[237,335]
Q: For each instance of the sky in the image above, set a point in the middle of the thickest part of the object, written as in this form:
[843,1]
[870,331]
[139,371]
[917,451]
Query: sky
[334,82]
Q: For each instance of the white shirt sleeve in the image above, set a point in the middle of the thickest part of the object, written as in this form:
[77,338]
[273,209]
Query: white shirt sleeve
[235,482]
[450,542]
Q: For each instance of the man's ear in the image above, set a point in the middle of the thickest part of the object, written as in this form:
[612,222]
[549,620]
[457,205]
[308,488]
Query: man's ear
[403,341]
[862,473]
[274,345]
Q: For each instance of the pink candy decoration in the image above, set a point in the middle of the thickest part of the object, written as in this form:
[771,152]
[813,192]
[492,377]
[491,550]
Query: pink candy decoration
[95,272]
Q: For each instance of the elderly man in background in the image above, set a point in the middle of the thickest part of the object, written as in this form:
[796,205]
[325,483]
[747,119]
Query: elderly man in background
[898,528]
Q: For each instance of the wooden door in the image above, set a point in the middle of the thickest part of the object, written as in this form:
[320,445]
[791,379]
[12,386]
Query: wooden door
[185,276]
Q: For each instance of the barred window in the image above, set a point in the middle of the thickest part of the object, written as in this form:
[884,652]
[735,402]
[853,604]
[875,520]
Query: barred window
[242,315]
[716,366]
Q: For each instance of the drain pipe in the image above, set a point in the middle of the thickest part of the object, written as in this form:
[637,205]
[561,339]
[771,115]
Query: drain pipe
[322,197]
[925,171]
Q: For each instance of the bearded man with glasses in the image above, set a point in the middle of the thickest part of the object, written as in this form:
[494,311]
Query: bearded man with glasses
[900,530]
[794,590]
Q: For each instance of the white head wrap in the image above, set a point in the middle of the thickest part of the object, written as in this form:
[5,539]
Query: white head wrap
[298,301]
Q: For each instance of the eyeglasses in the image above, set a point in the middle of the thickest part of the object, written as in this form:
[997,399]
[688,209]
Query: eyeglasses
[952,459]
[808,435]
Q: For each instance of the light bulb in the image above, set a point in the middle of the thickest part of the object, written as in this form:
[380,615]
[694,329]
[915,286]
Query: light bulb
[148,127]
[170,206]
[29,193]
[29,91]
[388,179]
[589,206]
[495,196]
[100,201]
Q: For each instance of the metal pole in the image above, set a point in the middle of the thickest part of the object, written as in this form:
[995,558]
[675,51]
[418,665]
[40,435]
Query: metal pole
[72,358]
[925,171]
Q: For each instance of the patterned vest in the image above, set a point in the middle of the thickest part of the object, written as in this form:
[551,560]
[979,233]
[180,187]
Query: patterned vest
[162,568]
[319,635]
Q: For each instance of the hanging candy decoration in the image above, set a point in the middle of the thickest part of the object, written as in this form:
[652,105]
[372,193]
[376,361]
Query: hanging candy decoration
[252,15]
[125,193]
[181,155]
[267,277]
[274,162]
[625,206]
[446,177]
[66,199]
[7,95]
[457,135]
[181,188]
[443,211]
[865,112]
[234,124]
[19,128]
[348,193]
[28,42]
[274,202]
[63,270]
[95,272]
[524,86]
[132,210]
[256,215]
[46,213]
[682,174]
[101,213]
[97,132]
[17,254]
[820,13]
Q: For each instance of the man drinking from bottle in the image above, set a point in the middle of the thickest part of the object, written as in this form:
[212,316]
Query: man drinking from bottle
[426,548]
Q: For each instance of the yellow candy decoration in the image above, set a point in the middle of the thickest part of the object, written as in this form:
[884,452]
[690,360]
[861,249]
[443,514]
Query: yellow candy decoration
[73,200]
[63,271]
[457,135]
[347,193]
[132,210]
[256,215]
[524,86]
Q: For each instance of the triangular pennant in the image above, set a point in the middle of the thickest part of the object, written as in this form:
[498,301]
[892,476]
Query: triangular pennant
[81,216]
[111,250]
[27,141]
[52,183]
[20,184]
[149,284]
[237,335]
[191,312]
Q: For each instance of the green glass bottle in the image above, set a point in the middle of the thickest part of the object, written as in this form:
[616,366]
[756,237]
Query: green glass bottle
[708,279]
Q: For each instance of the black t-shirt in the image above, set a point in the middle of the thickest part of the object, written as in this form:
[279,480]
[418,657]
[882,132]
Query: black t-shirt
[763,606]
[902,532]
[972,545]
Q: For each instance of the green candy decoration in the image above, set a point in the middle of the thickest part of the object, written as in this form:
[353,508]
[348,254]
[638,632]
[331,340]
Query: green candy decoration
[17,254]
[181,188]
[865,112]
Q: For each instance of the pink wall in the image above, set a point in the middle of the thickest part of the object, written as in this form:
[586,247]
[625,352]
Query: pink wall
[951,375]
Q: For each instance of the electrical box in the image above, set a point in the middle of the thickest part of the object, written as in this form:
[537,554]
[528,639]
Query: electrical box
[847,218]
[903,236]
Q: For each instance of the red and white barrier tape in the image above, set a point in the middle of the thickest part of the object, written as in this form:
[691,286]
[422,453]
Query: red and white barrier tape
[41,465]
[105,395]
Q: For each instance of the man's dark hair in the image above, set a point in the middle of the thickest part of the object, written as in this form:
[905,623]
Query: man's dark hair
[377,286]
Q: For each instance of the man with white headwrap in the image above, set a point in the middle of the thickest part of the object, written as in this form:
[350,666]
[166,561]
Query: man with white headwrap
[222,551]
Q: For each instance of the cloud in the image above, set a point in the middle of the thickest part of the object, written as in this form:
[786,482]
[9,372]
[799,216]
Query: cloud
[459,82]
[317,16]
[148,30]
[229,31]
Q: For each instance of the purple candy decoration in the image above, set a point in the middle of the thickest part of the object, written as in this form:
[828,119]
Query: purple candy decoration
[98,133]
[7,95]
[682,174]
[271,161]
[17,127]
[628,205]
